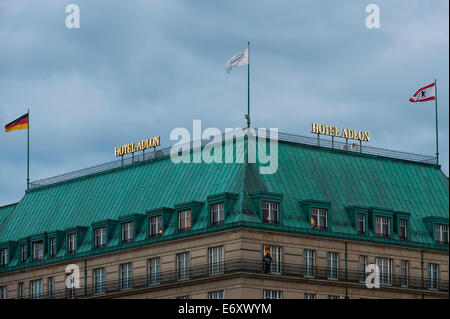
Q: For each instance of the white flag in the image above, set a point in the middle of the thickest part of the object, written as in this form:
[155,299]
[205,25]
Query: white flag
[239,59]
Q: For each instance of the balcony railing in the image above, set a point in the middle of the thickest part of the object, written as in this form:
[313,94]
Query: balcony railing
[250,267]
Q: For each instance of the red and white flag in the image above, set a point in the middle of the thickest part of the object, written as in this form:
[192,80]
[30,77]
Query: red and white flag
[427,93]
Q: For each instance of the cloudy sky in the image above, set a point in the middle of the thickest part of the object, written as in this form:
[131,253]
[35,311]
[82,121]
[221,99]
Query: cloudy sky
[136,69]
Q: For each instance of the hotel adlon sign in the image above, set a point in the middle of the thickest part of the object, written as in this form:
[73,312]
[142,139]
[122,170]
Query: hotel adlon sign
[345,133]
[142,145]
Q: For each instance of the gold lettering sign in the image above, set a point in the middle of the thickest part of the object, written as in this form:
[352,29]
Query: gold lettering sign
[142,145]
[346,133]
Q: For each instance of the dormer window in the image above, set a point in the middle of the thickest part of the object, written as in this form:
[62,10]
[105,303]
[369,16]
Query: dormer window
[38,250]
[217,213]
[23,253]
[319,218]
[71,243]
[382,226]
[270,212]
[155,225]
[441,234]
[52,247]
[4,257]
[403,229]
[184,220]
[100,237]
[361,224]
[127,232]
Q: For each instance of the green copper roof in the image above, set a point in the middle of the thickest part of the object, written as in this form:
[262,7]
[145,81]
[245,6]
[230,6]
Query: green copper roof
[305,172]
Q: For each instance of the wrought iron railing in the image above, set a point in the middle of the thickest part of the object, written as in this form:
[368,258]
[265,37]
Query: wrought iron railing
[285,137]
[249,267]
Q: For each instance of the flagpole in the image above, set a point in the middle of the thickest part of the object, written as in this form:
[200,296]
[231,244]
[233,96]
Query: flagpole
[248,85]
[436,112]
[28,152]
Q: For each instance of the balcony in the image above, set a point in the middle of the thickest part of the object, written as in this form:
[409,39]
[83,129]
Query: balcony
[321,275]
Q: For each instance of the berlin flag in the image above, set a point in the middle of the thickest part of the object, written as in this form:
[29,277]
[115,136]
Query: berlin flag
[427,93]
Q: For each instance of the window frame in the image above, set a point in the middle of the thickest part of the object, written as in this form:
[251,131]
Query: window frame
[217,213]
[72,243]
[216,260]
[158,225]
[318,214]
[309,268]
[270,212]
[183,273]
[100,240]
[185,220]
[382,222]
[154,277]
[332,265]
[34,245]
[127,232]
[99,285]
[126,283]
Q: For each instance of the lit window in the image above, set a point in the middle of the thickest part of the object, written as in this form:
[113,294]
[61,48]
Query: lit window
[4,257]
[100,237]
[403,228]
[220,294]
[184,220]
[216,256]
[361,224]
[385,267]
[270,212]
[126,276]
[273,294]
[309,259]
[155,225]
[72,244]
[38,250]
[332,261]
[319,218]
[275,254]
[99,281]
[310,296]
[183,266]
[441,234]
[154,271]
[127,232]
[433,271]
[36,289]
[217,213]
[382,226]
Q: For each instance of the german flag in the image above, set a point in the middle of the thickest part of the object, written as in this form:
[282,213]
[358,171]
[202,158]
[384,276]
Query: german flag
[20,124]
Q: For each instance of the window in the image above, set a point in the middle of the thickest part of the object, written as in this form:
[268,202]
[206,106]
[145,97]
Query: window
[36,289]
[385,267]
[184,220]
[72,244]
[3,292]
[332,261]
[23,253]
[220,294]
[362,268]
[38,250]
[155,225]
[273,294]
[52,247]
[127,232]
[216,257]
[405,269]
[309,258]
[126,276]
[333,297]
[100,237]
[433,270]
[441,234]
[70,291]
[361,224]
[99,281]
[183,297]
[51,287]
[154,271]
[217,213]
[275,253]
[270,212]
[21,290]
[310,296]
[319,218]
[183,266]
[403,228]
[4,257]
[382,226]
